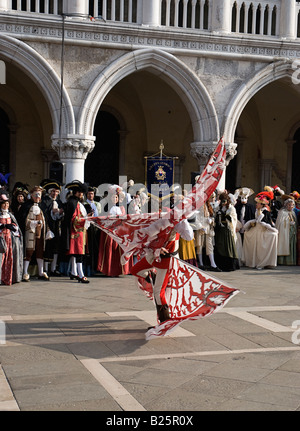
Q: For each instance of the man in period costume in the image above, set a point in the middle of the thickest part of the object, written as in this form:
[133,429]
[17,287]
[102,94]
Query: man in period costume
[35,233]
[19,197]
[143,268]
[245,211]
[52,208]
[74,230]
[93,209]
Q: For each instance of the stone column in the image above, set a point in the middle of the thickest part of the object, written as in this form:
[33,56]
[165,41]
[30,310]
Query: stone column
[288,27]
[151,12]
[73,151]
[202,152]
[5,4]
[289,170]
[76,8]
[266,167]
[221,16]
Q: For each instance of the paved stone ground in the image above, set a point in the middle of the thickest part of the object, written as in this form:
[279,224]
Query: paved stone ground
[71,346]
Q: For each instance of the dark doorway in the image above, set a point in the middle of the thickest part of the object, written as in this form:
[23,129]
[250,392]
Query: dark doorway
[4,143]
[295,183]
[230,178]
[102,164]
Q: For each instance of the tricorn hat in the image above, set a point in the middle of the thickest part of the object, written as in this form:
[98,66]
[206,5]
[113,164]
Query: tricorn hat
[49,184]
[76,186]
[92,189]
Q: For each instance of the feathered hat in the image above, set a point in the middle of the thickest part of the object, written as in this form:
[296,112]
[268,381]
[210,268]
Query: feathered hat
[295,195]
[264,197]
[20,189]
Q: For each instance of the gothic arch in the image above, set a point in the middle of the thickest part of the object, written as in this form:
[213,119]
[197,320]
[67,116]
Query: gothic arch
[174,72]
[45,78]
[247,90]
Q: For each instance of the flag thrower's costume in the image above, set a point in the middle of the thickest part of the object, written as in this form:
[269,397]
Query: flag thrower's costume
[159,277]
[187,292]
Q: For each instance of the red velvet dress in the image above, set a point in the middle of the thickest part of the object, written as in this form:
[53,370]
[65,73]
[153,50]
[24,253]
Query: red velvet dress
[110,254]
[7,257]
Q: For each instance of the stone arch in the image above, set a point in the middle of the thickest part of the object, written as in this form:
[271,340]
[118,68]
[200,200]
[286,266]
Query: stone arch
[174,72]
[269,74]
[45,78]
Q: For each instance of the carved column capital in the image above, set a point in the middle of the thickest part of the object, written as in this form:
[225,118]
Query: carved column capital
[202,151]
[74,146]
[231,152]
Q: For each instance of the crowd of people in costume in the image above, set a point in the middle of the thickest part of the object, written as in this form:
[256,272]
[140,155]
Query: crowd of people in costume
[43,236]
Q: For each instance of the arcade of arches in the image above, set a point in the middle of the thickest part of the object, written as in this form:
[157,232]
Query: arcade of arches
[139,112]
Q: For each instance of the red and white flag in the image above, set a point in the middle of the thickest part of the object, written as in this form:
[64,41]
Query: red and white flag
[190,294]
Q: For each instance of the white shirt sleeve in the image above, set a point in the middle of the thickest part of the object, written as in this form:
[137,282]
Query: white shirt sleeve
[185,230]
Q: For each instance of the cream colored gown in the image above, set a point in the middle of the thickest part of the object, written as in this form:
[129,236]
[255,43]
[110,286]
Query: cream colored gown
[260,243]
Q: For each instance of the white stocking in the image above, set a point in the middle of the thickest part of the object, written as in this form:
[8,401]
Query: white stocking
[80,270]
[212,260]
[200,259]
[54,262]
[73,265]
[25,266]
[40,264]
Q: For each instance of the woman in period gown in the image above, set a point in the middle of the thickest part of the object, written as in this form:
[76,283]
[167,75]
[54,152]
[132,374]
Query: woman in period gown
[226,256]
[261,236]
[109,250]
[286,224]
[11,261]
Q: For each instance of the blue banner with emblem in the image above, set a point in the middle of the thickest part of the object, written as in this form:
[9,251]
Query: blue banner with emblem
[159,175]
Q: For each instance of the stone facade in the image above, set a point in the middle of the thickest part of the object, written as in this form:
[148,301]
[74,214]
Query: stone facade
[188,81]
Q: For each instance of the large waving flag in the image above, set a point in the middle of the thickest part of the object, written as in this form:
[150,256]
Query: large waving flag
[140,233]
[190,293]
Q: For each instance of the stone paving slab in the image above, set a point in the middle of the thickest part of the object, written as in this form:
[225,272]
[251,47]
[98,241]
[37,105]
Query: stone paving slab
[77,347]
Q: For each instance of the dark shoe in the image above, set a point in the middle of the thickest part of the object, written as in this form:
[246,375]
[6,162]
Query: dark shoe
[214,269]
[73,277]
[44,277]
[83,280]
[162,312]
[55,273]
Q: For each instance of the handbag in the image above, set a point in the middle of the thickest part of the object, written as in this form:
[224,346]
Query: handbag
[3,245]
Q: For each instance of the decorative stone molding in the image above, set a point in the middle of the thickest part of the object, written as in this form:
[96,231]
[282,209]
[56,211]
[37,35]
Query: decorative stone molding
[131,35]
[203,150]
[73,147]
